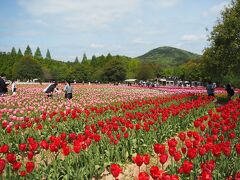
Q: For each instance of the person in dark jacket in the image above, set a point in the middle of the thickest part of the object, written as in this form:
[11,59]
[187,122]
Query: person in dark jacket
[3,86]
[230,91]
[210,89]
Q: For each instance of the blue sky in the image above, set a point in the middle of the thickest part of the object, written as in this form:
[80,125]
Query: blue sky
[70,28]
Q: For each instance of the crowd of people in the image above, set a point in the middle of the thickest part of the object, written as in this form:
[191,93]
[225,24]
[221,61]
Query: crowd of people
[49,90]
[68,90]
[229,89]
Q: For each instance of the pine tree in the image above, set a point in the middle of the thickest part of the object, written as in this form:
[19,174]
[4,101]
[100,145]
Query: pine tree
[28,51]
[76,60]
[93,61]
[19,53]
[48,55]
[84,59]
[38,54]
[109,56]
[13,52]
[94,57]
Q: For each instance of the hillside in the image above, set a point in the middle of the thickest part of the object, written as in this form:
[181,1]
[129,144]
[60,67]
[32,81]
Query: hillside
[168,56]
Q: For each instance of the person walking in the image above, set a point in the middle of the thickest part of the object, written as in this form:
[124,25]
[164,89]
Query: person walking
[230,91]
[68,90]
[210,89]
[3,86]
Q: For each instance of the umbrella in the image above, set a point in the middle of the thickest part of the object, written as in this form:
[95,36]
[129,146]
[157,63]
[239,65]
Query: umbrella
[50,88]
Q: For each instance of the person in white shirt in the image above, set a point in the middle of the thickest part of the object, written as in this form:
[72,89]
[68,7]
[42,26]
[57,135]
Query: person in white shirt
[14,89]
[68,90]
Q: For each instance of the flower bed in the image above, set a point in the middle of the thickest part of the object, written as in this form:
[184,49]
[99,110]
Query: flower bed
[48,138]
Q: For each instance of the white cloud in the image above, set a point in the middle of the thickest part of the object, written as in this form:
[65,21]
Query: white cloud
[78,13]
[97,46]
[216,9]
[191,37]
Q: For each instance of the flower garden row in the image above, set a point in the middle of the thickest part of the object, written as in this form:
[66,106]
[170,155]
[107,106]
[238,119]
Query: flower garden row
[74,142]
[210,151]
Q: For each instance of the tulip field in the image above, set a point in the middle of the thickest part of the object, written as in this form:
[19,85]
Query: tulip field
[119,132]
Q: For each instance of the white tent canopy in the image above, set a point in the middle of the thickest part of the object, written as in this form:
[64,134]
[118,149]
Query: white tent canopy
[130,80]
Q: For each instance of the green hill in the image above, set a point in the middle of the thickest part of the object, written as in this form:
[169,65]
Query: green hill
[168,56]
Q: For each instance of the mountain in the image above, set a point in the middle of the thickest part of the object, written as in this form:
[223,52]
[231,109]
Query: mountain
[168,56]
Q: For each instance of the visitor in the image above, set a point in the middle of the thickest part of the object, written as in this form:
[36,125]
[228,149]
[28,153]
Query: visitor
[230,91]
[14,89]
[3,86]
[210,89]
[51,88]
[68,90]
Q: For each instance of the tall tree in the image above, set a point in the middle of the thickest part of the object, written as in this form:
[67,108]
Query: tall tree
[84,59]
[13,52]
[48,55]
[93,61]
[38,54]
[221,61]
[76,60]
[28,51]
[19,53]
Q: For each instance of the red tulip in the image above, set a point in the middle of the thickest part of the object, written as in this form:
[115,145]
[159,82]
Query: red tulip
[208,166]
[11,158]
[4,148]
[29,166]
[177,156]
[146,159]
[192,153]
[30,155]
[33,146]
[143,176]
[53,148]
[44,144]
[22,147]
[232,135]
[237,175]
[138,160]
[155,172]
[216,150]
[126,135]
[186,167]
[238,148]
[66,150]
[172,142]
[115,170]
[23,173]
[163,158]
[2,165]
[182,136]
[159,148]
[206,176]
[77,148]
[16,166]
[202,151]
[63,136]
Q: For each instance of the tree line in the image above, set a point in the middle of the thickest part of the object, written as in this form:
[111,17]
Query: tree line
[27,66]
